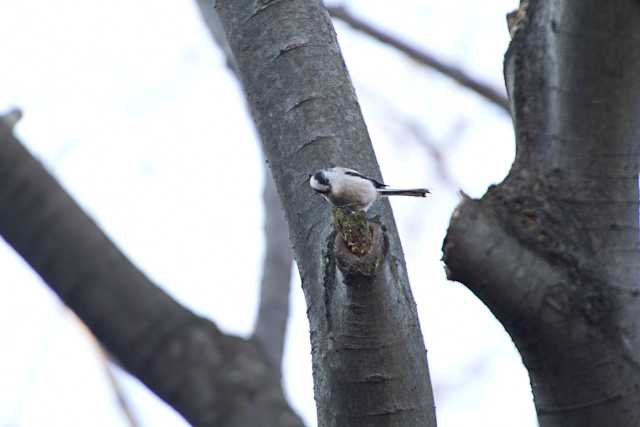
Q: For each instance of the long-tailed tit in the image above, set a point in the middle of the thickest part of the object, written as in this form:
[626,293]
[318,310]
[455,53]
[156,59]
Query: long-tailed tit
[345,187]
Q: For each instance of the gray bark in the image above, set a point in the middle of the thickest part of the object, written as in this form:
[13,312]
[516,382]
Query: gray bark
[308,117]
[212,379]
[553,250]
[213,24]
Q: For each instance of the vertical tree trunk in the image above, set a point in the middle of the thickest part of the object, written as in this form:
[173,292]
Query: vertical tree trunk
[553,250]
[308,117]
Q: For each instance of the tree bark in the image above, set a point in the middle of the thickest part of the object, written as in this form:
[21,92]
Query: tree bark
[553,250]
[308,117]
[210,378]
[213,24]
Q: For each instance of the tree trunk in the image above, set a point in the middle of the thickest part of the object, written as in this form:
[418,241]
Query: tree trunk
[553,250]
[308,117]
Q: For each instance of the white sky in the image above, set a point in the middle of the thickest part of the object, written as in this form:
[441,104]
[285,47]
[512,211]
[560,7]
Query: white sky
[131,107]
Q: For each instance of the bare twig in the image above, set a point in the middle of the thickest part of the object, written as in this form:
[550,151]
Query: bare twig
[487,92]
[116,387]
[107,364]
[419,135]
[437,154]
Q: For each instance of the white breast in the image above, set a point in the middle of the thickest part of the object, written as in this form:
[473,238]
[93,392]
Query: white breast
[352,191]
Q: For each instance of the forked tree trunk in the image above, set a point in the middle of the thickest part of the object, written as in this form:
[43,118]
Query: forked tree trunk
[369,360]
[553,250]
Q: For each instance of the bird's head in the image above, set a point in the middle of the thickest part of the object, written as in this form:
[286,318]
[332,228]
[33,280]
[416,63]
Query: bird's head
[320,183]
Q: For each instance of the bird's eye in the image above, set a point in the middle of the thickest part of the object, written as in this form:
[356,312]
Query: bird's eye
[319,176]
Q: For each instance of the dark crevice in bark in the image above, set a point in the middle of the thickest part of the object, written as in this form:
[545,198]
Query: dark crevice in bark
[210,378]
[553,250]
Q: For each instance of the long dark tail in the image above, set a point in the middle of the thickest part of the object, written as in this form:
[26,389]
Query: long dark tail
[414,192]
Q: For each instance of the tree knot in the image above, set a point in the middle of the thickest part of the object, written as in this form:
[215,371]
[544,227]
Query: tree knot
[529,207]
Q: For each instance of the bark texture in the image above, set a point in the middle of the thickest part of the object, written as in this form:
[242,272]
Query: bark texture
[213,24]
[553,250]
[212,379]
[308,117]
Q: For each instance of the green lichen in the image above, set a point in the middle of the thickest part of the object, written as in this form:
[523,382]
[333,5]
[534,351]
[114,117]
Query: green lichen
[354,229]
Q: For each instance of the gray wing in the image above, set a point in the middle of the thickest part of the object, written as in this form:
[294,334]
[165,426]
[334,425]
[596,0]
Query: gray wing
[375,182]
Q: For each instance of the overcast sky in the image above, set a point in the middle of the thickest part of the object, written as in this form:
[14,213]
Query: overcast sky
[131,107]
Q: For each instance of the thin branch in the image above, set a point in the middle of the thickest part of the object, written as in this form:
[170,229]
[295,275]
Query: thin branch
[116,387]
[419,135]
[108,367]
[271,322]
[273,312]
[486,91]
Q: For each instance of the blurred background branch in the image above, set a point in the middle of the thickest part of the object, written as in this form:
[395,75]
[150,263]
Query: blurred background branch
[271,322]
[124,404]
[273,311]
[489,93]
[211,378]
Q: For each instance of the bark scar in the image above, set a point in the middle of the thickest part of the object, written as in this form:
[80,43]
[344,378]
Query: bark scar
[303,101]
[261,6]
[291,47]
[315,139]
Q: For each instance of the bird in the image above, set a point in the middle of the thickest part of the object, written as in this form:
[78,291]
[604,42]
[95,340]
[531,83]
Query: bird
[344,187]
